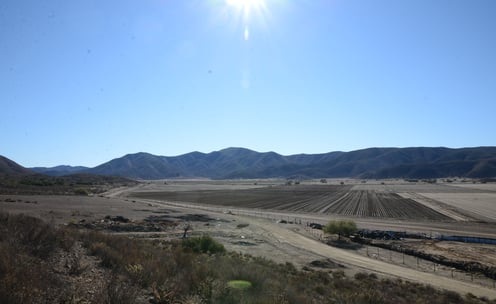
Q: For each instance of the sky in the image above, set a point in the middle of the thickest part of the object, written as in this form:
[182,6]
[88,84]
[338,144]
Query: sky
[86,81]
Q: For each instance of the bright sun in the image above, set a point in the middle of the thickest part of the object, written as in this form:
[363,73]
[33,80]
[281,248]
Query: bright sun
[247,5]
[244,9]
[244,2]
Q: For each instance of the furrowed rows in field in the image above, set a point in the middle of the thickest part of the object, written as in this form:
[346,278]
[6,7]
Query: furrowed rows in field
[329,199]
[297,198]
[382,204]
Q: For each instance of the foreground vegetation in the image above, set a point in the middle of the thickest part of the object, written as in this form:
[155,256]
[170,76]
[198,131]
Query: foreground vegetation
[196,270]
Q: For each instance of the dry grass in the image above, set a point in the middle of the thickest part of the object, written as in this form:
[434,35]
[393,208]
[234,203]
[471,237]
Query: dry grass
[172,272]
[25,243]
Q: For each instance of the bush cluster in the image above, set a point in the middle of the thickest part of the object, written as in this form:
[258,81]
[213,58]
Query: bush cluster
[341,228]
[203,244]
[197,270]
[26,243]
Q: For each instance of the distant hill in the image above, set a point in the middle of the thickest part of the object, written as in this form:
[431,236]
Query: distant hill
[9,167]
[15,179]
[217,164]
[418,162]
[58,170]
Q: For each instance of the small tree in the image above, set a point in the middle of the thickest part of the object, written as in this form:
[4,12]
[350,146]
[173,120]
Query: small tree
[341,228]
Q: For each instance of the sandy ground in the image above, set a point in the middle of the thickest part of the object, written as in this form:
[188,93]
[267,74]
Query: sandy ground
[443,208]
[257,232]
[192,185]
[488,187]
[482,204]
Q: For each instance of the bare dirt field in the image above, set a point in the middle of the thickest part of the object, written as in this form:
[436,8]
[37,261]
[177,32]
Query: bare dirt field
[328,199]
[487,187]
[481,204]
[63,209]
[244,216]
[459,201]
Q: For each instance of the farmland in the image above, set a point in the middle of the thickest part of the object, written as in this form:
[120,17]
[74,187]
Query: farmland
[323,199]
[481,205]
[247,216]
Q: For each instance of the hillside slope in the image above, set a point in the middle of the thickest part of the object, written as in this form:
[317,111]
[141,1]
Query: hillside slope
[421,162]
[9,167]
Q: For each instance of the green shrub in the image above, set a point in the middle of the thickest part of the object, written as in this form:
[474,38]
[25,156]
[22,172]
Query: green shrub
[203,244]
[341,228]
[239,284]
[171,272]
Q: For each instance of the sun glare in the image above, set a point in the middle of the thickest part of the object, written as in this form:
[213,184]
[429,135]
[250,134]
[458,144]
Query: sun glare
[246,13]
[247,5]
[244,10]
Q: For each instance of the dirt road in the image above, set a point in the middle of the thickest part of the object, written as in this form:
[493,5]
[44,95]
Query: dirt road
[287,238]
[277,241]
[348,258]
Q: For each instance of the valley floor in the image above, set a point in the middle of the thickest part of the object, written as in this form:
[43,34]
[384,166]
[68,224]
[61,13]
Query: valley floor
[283,235]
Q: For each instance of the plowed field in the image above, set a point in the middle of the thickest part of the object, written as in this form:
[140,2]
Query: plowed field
[329,199]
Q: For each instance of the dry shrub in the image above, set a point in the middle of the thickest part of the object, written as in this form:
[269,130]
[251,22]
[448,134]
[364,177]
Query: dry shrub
[26,233]
[25,245]
[118,291]
[452,297]
[24,278]
[192,299]
[171,273]
[175,274]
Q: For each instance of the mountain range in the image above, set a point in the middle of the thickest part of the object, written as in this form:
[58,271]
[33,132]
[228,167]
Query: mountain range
[416,162]
[59,170]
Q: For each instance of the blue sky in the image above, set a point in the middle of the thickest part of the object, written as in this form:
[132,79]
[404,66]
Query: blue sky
[85,81]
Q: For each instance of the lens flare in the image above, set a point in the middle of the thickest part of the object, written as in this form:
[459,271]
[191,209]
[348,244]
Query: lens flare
[247,34]
[249,16]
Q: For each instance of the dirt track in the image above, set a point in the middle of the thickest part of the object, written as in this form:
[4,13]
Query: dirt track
[348,258]
[262,236]
[287,238]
